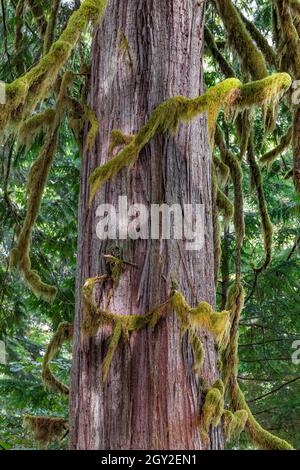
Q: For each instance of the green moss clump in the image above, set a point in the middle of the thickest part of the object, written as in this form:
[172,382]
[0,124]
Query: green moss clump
[45,428]
[202,316]
[223,170]
[64,333]
[198,351]
[91,137]
[39,122]
[234,424]
[212,409]
[225,206]
[113,344]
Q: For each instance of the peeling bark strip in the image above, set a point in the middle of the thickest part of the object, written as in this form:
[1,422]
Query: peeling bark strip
[144,53]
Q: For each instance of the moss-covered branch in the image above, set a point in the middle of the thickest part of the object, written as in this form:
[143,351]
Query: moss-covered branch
[221,61]
[229,95]
[290,41]
[269,157]
[266,224]
[49,36]
[252,60]
[262,438]
[64,333]
[191,319]
[236,175]
[20,256]
[261,41]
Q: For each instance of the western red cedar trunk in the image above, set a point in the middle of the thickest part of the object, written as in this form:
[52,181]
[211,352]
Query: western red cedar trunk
[145,52]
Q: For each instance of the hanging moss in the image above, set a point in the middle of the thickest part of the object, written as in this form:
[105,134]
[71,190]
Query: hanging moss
[198,350]
[266,224]
[225,206]
[234,424]
[289,38]
[223,170]
[216,225]
[263,92]
[269,157]
[113,344]
[235,304]
[252,60]
[262,438]
[94,317]
[166,117]
[209,409]
[64,333]
[236,175]
[30,128]
[37,178]
[91,137]
[261,41]
[203,316]
[229,94]
[212,409]
[25,93]
[45,429]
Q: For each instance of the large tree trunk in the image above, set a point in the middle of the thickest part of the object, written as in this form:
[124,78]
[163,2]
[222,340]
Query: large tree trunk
[152,398]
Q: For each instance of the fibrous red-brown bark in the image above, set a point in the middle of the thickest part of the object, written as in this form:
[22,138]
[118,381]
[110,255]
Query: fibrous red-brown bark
[151,399]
